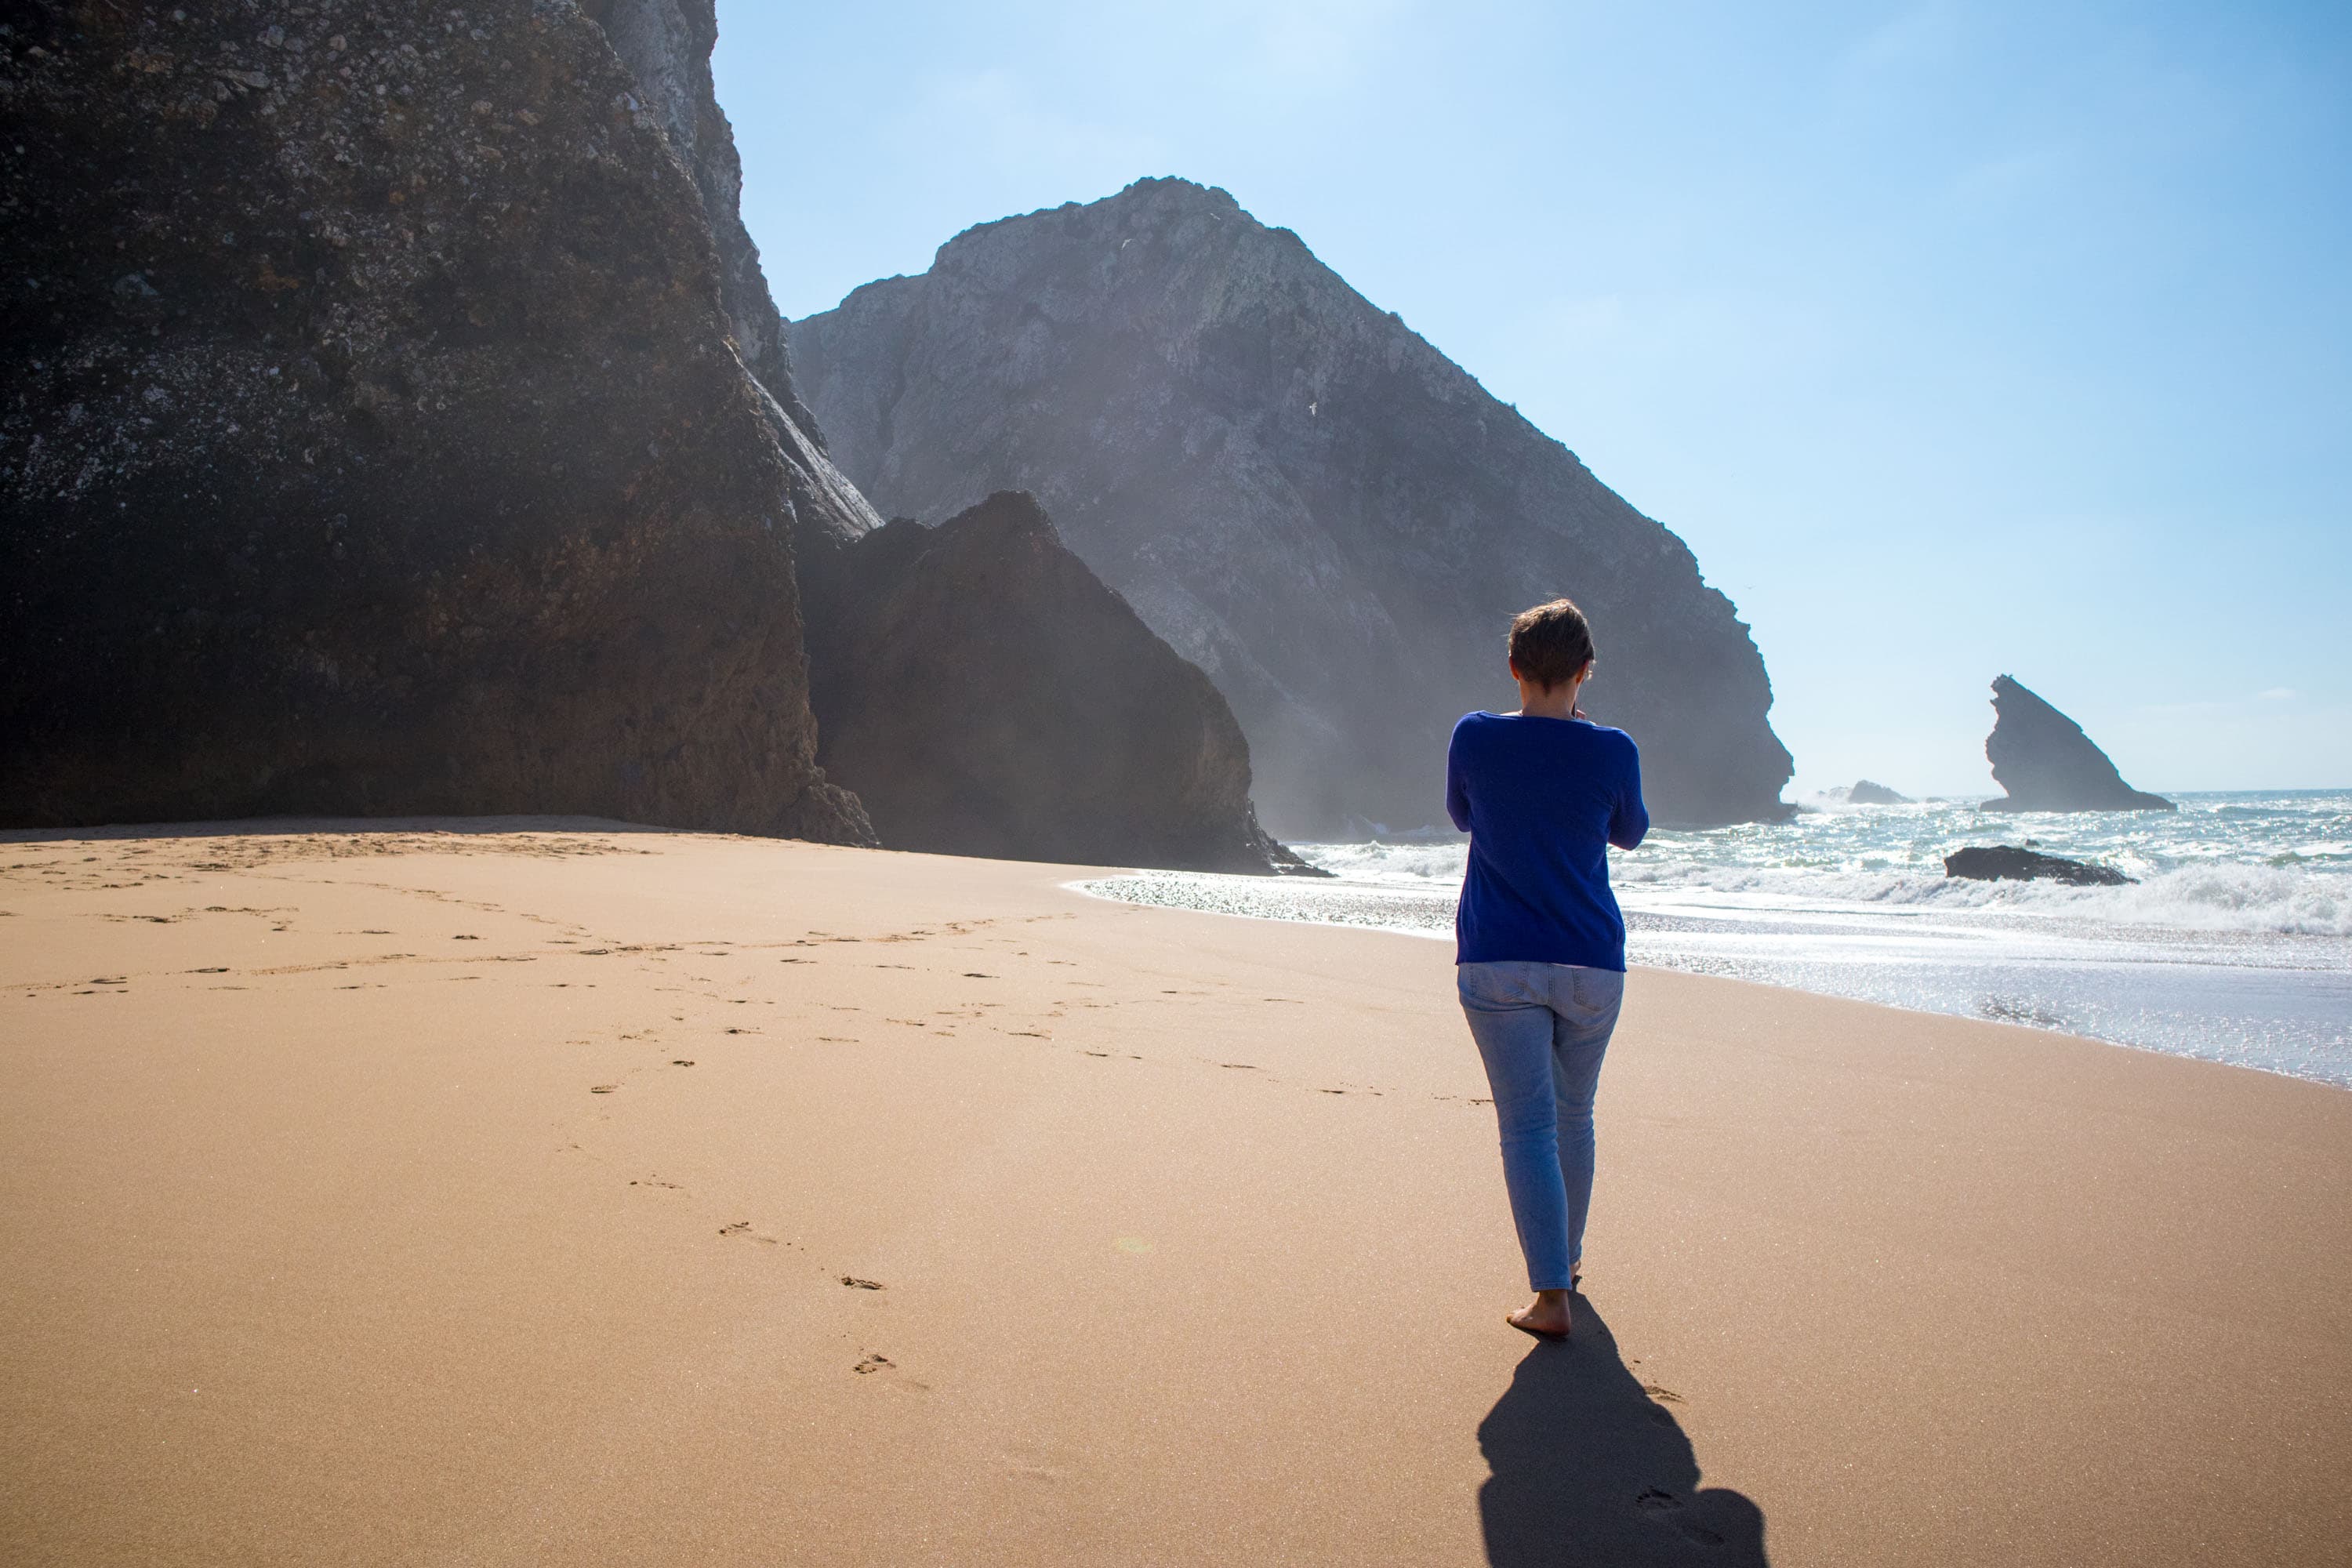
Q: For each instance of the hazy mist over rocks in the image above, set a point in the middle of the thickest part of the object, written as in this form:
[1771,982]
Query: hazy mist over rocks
[406,427]
[376,441]
[1294,489]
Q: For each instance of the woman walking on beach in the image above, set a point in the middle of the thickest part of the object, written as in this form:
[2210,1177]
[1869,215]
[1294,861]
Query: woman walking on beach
[1541,945]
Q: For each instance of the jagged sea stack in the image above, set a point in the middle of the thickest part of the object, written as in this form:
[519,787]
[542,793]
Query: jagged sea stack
[2046,764]
[1295,490]
[375,439]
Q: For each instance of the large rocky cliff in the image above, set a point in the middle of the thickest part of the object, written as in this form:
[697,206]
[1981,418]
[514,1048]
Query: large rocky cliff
[666,45]
[975,684]
[402,423]
[375,440]
[1300,494]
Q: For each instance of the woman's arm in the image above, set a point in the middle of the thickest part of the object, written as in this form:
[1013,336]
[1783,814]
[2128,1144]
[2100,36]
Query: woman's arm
[1630,822]
[1457,794]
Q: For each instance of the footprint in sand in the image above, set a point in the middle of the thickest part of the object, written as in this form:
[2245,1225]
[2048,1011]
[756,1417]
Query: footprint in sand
[683,1062]
[855,1283]
[873,1363]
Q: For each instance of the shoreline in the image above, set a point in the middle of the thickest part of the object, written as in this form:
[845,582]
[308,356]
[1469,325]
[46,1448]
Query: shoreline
[370,1210]
[2274,1003]
[1083,889]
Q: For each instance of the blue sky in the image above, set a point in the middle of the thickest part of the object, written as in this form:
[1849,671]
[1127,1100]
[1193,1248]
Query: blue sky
[1957,339]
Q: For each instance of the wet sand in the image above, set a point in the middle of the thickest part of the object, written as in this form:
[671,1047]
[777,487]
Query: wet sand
[589,1195]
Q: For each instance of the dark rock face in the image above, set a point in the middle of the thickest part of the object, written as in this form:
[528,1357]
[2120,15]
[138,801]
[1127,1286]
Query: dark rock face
[985,694]
[1865,792]
[2046,764]
[1301,495]
[2007,863]
[666,45]
[990,775]
[403,425]
[374,441]
[992,771]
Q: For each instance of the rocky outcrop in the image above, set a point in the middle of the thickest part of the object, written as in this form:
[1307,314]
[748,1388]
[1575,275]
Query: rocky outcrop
[2046,764]
[1009,621]
[1293,489]
[2007,863]
[403,425]
[1865,793]
[993,773]
[666,45]
[985,694]
[375,439]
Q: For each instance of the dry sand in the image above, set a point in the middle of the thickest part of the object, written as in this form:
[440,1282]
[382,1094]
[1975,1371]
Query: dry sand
[360,1206]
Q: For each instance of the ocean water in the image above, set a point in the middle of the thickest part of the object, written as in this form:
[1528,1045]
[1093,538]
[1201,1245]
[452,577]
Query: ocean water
[2234,944]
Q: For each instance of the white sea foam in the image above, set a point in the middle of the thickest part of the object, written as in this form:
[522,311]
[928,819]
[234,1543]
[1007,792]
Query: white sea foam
[2277,865]
[2221,896]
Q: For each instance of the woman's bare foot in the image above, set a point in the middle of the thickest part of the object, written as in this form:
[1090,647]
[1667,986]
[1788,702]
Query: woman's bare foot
[1548,1317]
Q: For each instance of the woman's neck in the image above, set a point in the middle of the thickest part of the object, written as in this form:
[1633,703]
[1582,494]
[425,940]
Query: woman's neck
[1549,701]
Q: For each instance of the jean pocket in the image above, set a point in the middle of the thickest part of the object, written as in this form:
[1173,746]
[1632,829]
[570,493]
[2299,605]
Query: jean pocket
[1598,991]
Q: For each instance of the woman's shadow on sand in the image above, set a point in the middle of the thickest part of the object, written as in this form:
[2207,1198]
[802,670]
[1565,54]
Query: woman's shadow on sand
[1589,1469]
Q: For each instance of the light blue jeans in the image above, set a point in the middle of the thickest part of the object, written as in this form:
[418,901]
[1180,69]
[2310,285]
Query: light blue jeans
[1543,1030]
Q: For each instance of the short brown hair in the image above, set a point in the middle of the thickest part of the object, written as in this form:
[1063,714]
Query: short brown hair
[1551,643]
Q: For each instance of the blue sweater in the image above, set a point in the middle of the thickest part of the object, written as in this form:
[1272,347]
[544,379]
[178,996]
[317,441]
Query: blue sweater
[1542,799]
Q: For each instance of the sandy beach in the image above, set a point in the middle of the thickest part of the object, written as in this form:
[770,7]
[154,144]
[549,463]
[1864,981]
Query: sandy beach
[526,1191]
